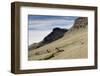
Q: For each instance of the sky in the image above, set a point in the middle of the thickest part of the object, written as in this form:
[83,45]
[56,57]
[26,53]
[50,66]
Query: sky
[40,26]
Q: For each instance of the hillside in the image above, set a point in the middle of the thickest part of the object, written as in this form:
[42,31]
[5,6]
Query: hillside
[72,45]
[54,35]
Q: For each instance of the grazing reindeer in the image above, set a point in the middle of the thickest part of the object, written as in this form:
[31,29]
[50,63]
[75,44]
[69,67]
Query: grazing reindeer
[59,50]
[47,51]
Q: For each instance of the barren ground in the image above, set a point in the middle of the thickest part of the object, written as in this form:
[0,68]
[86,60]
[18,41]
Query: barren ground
[74,46]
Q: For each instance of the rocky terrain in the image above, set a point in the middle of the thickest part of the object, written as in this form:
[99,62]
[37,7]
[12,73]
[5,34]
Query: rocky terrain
[62,43]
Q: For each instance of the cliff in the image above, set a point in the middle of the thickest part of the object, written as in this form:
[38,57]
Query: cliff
[81,22]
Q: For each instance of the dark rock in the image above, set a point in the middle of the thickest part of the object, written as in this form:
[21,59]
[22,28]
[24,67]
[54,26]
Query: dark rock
[54,35]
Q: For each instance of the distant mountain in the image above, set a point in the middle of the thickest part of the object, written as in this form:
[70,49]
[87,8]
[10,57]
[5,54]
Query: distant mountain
[54,35]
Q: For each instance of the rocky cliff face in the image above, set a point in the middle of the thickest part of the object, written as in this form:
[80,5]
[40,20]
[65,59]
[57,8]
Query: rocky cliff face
[81,22]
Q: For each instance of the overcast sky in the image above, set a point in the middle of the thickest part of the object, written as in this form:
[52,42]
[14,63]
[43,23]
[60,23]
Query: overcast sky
[39,26]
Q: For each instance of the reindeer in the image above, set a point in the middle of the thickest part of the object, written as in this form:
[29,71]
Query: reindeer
[59,50]
[47,51]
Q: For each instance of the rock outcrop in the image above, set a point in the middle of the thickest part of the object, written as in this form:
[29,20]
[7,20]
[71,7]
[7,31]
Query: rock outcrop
[81,22]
